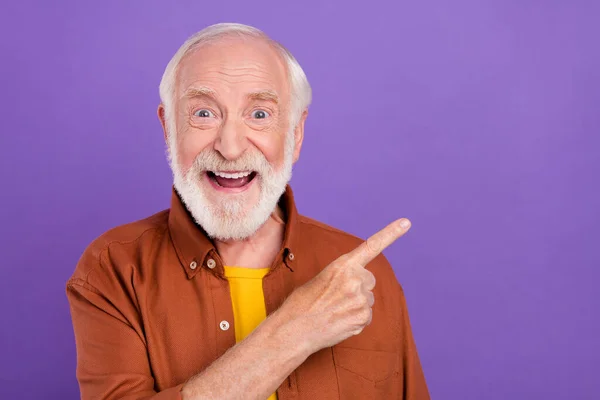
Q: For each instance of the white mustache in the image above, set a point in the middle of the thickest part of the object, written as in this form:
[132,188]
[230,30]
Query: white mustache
[211,160]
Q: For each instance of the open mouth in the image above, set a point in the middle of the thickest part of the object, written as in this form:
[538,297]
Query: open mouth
[231,179]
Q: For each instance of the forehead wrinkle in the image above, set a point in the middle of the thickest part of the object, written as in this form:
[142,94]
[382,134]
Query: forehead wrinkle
[264,76]
[258,70]
[259,85]
[245,66]
[256,75]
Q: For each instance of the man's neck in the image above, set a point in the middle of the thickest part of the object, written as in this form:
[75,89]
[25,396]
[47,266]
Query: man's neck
[258,250]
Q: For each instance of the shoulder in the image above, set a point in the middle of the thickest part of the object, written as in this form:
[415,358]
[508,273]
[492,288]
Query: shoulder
[336,242]
[333,236]
[123,244]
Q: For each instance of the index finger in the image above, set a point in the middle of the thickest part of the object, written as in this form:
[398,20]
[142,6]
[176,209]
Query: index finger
[374,245]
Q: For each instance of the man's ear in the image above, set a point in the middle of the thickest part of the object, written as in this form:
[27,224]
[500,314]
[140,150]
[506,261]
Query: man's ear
[299,135]
[163,122]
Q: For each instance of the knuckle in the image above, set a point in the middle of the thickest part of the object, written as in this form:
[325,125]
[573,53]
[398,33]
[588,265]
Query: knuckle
[370,299]
[327,273]
[373,245]
[343,259]
[369,277]
[357,331]
[365,317]
[365,300]
[349,292]
[352,285]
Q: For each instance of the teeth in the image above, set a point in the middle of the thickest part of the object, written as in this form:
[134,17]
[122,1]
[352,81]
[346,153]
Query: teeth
[228,175]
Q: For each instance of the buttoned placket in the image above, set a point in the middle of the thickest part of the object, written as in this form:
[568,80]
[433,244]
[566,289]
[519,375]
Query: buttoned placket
[275,288]
[276,284]
[223,321]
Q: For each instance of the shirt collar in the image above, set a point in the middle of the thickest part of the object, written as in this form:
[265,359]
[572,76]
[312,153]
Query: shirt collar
[196,250]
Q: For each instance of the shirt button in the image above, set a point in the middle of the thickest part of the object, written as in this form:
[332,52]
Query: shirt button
[211,263]
[224,325]
[291,256]
[193,265]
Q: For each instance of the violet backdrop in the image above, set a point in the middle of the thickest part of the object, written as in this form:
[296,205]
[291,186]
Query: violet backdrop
[478,120]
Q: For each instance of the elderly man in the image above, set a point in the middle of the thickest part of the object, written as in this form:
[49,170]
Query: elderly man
[231,294]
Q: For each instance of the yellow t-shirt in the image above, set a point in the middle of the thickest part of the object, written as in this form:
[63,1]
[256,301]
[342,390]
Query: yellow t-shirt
[248,301]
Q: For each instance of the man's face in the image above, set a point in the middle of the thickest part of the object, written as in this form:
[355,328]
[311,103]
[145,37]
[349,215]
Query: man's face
[231,145]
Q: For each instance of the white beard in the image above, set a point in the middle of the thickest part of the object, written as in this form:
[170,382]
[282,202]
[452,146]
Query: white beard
[232,217]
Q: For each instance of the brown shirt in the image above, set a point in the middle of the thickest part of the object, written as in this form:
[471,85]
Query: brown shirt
[151,308]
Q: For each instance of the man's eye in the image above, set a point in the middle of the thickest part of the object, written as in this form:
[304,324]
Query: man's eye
[204,113]
[260,114]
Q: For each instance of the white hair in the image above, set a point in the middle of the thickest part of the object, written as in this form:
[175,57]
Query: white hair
[301,93]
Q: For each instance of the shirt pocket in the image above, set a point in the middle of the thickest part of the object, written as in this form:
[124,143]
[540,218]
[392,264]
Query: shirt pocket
[366,374]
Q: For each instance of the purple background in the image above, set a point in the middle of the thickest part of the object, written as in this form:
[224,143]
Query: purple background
[478,120]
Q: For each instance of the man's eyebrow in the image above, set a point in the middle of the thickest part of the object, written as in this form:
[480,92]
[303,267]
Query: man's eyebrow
[203,91]
[266,95]
[200,91]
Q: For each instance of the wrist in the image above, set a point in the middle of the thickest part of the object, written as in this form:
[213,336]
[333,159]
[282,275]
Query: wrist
[286,335]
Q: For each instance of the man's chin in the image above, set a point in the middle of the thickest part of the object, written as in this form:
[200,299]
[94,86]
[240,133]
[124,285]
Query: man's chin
[232,226]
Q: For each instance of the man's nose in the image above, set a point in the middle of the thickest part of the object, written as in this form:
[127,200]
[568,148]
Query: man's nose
[231,141]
